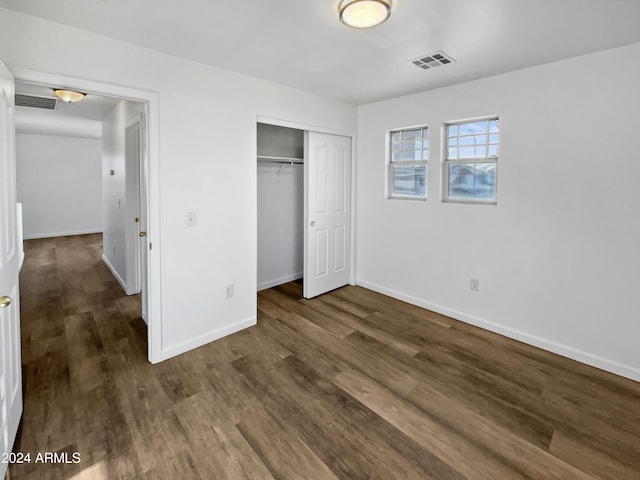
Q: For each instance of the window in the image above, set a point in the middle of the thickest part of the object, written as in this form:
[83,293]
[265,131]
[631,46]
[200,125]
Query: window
[409,152]
[471,160]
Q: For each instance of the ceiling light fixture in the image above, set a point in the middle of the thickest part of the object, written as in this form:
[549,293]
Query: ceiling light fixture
[69,96]
[364,13]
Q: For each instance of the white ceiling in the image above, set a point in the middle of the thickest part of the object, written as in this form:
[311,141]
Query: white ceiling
[301,43]
[81,119]
[91,107]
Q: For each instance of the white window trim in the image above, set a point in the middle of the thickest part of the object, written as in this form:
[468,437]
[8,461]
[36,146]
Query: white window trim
[390,163]
[446,162]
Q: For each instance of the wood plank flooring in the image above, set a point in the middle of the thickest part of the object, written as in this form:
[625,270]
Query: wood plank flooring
[351,385]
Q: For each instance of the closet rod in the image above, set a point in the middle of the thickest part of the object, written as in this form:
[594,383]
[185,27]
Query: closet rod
[285,160]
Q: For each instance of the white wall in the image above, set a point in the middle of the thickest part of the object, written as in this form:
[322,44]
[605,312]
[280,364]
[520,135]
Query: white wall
[280,207]
[207,160]
[59,184]
[558,257]
[119,200]
[37,121]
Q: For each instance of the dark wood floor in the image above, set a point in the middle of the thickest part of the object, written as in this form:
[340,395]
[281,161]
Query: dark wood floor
[351,385]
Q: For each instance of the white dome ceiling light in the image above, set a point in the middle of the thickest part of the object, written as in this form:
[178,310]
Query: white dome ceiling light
[364,13]
[69,96]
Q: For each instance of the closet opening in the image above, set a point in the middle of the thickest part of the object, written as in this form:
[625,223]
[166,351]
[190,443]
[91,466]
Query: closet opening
[280,205]
[304,209]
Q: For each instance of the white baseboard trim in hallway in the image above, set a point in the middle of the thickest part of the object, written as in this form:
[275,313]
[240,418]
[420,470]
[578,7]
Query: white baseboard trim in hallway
[115,273]
[61,234]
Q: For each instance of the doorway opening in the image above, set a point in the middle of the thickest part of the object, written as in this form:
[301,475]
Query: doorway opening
[132,127]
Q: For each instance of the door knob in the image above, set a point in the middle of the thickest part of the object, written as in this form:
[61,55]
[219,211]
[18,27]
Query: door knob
[142,234]
[5,302]
[313,224]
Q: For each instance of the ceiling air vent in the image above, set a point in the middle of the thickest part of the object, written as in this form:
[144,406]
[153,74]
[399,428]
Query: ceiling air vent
[432,60]
[35,102]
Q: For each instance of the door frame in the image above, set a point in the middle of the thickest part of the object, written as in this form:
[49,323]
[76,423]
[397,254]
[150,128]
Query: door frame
[331,131]
[152,160]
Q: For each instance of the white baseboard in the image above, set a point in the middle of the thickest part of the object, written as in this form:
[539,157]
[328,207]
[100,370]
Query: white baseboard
[563,350]
[172,351]
[60,234]
[115,273]
[279,281]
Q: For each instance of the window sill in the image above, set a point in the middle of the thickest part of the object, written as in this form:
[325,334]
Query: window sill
[406,197]
[470,202]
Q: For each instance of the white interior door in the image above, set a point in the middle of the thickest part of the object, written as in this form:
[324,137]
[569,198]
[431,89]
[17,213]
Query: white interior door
[327,213]
[10,367]
[144,222]
[137,191]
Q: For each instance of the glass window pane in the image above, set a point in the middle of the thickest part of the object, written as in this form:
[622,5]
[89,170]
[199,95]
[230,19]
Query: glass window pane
[493,138]
[395,137]
[425,135]
[473,127]
[410,180]
[473,181]
[395,147]
[480,139]
[453,141]
[452,130]
[411,135]
[493,150]
[467,152]
[453,153]
[493,125]
[411,146]
[425,155]
[473,140]
[411,155]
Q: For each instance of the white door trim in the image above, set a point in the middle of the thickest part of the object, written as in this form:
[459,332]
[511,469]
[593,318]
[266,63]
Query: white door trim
[332,131]
[151,101]
[303,126]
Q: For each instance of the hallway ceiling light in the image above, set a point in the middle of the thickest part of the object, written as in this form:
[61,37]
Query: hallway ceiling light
[364,13]
[69,96]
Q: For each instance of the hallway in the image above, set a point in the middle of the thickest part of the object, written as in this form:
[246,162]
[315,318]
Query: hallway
[79,332]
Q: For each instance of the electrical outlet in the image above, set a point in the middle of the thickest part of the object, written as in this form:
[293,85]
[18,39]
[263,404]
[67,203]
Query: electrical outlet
[475,284]
[228,292]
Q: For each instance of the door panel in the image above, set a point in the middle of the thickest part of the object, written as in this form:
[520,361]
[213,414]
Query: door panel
[339,241]
[321,253]
[327,213]
[10,367]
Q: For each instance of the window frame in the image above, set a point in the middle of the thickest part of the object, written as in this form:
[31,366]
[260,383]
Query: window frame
[412,163]
[487,159]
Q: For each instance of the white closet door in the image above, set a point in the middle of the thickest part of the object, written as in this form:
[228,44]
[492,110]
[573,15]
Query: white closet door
[10,368]
[327,213]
